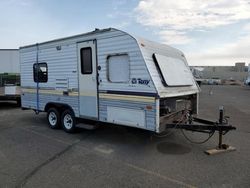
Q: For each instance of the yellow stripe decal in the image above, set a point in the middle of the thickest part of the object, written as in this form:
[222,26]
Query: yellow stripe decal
[46,91]
[101,95]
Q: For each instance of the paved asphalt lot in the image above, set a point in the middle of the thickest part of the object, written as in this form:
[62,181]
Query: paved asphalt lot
[33,155]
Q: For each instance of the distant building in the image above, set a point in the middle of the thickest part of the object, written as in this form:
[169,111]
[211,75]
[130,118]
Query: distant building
[240,67]
[237,72]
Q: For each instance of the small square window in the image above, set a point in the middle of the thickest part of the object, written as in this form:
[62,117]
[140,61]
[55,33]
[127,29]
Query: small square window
[40,72]
[118,68]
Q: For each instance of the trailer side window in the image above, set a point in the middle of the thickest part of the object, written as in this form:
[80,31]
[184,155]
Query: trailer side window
[40,72]
[86,60]
[118,68]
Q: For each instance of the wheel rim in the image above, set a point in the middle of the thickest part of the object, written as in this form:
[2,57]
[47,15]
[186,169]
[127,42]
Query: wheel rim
[52,118]
[68,121]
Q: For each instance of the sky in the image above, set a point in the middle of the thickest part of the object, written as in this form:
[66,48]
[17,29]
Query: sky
[208,32]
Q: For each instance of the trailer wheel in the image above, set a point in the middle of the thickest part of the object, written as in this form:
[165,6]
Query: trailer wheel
[53,117]
[68,121]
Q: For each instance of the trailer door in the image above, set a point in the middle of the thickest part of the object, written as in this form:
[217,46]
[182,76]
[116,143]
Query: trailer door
[88,106]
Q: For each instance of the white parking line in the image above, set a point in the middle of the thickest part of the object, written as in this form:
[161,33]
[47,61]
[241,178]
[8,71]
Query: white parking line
[159,175]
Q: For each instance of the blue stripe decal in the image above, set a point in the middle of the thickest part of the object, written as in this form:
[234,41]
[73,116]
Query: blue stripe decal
[130,93]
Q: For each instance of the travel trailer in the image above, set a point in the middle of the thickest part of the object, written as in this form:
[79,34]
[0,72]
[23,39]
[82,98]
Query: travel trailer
[107,76]
[9,75]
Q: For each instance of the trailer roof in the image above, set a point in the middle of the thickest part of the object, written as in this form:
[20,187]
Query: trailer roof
[96,31]
[70,37]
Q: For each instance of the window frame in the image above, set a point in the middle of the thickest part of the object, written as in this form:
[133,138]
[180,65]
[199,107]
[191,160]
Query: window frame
[36,74]
[108,68]
[82,62]
[163,81]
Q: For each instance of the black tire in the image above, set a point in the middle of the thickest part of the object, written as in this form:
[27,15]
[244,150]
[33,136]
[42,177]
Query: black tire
[53,118]
[68,121]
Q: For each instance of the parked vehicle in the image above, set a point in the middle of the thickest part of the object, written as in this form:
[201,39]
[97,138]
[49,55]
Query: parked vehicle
[9,75]
[10,87]
[197,73]
[247,82]
[214,81]
[108,76]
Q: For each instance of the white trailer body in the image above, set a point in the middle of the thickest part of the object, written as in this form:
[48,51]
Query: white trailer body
[108,76]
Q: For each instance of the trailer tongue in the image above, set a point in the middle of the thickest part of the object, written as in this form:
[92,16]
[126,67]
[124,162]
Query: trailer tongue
[206,126]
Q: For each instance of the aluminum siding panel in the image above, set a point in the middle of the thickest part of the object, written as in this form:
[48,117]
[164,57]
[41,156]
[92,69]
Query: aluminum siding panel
[63,63]
[128,45]
[29,101]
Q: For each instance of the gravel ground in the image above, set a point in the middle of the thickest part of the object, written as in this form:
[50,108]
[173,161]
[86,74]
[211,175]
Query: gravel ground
[33,155]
